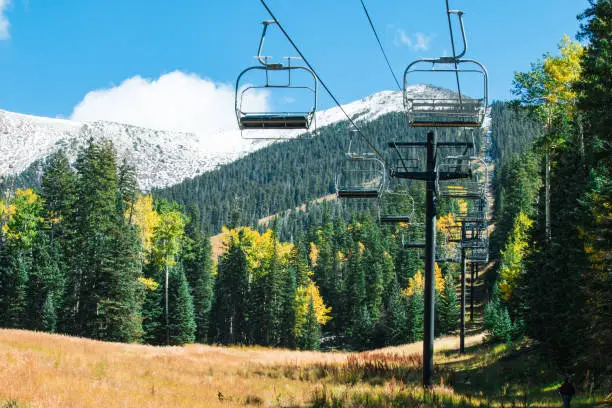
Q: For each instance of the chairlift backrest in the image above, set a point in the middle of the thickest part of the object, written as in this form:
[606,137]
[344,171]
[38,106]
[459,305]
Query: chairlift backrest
[275,124]
[361,177]
[455,109]
[470,181]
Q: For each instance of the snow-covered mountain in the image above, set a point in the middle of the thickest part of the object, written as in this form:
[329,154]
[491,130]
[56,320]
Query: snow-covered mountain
[161,158]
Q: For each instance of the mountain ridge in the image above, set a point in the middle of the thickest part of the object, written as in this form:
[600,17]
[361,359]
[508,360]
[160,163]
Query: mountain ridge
[162,158]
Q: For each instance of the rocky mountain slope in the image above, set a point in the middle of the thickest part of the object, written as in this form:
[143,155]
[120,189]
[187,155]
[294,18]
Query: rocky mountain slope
[162,158]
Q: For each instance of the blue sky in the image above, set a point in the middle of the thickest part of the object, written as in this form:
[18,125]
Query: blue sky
[55,53]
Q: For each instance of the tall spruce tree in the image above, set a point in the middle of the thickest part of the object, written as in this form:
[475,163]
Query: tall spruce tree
[229,320]
[448,307]
[181,321]
[197,262]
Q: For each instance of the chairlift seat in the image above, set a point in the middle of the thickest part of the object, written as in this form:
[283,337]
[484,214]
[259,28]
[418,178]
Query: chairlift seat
[276,121]
[414,245]
[357,193]
[395,219]
[445,112]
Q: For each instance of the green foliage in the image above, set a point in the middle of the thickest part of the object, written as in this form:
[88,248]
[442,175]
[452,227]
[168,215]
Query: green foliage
[308,338]
[448,307]
[231,296]
[497,321]
[181,319]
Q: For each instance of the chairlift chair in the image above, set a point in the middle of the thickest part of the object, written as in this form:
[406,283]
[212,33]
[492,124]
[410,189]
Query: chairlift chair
[474,235]
[454,110]
[397,203]
[470,181]
[409,161]
[272,124]
[414,238]
[361,177]
[477,210]
[447,251]
[477,255]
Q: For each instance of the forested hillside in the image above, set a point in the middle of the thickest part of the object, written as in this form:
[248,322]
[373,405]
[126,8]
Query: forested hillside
[285,175]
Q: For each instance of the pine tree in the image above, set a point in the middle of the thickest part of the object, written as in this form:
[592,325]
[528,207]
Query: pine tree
[95,222]
[181,319]
[197,261]
[397,318]
[354,290]
[49,315]
[152,307]
[45,287]
[14,266]
[287,310]
[231,296]
[309,340]
[596,201]
[448,310]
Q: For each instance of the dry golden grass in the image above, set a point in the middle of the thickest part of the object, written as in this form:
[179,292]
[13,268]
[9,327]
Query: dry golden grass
[44,370]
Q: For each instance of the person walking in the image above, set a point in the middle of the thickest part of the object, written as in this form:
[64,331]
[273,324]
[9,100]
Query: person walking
[567,391]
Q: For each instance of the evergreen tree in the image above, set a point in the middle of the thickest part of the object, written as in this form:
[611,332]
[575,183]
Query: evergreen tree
[153,307]
[287,310]
[181,319]
[594,102]
[45,287]
[448,307]
[49,314]
[197,261]
[58,191]
[397,318]
[95,222]
[231,296]
[309,339]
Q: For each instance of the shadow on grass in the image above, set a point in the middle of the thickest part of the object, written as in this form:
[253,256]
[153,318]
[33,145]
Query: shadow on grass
[486,376]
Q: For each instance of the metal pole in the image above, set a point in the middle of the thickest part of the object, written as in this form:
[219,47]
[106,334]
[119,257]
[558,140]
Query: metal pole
[462,311]
[430,256]
[472,270]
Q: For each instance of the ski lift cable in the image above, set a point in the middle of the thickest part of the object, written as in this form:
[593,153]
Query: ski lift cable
[303,57]
[382,49]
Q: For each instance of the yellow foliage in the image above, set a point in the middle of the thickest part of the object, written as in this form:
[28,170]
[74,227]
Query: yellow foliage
[445,221]
[313,255]
[167,236]
[303,297]
[258,248]
[361,247]
[563,72]
[515,251]
[416,283]
[149,284]
[20,217]
[439,278]
[146,218]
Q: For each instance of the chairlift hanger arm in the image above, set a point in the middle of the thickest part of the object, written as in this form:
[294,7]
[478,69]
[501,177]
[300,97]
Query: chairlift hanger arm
[263,60]
[452,37]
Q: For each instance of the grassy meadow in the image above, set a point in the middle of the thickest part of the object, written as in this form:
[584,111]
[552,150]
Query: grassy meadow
[44,370]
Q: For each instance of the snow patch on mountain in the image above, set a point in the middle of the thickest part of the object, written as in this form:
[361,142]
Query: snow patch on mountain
[162,158]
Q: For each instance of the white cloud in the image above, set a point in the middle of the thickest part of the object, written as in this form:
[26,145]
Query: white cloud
[175,101]
[416,42]
[4,23]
